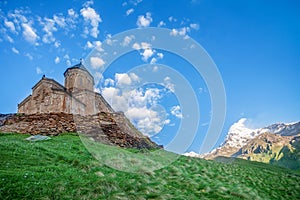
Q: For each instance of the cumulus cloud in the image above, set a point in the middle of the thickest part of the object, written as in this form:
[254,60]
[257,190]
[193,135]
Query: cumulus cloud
[181,31]
[147,53]
[29,33]
[144,21]
[137,103]
[147,121]
[176,111]
[91,16]
[90,45]
[125,79]
[97,62]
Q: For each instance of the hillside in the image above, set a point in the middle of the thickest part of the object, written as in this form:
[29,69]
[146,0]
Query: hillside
[62,168]
[274,149]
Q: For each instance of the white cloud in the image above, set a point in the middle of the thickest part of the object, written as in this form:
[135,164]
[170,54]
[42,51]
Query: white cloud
[97,90]
[71,12]
[160,55]
[127,40]
[136,103]
[60,21]
[10,25]
[109,82]
[153,61]
[123,79]
[129,11]
[136,46]
[161,23]
[147,53]
[90,15]
[57,60]
[173,32]
[144,21]
[68,63]
[194,26]
[167,121]
[18,16]
[147,121]
[155,69]
[38,70]
[168,84]
[97,76]
[16,51]
[90,45]
[181,31]
[67,57]
[29,56]
[176,111]
[49,28]
[172,19]
[29,33]
[134,77]
[57,44]
[9,39]
[88,3]
[96,62]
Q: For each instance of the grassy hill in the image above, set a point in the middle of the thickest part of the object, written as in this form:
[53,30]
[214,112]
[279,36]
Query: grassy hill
[62,168]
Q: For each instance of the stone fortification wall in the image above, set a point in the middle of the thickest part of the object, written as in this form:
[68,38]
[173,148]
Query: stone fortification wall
[108,128]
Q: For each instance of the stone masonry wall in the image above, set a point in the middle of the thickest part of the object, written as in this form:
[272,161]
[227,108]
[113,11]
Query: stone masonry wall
[107,128]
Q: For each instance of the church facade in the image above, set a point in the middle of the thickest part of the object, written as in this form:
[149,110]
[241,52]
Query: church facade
[75,97]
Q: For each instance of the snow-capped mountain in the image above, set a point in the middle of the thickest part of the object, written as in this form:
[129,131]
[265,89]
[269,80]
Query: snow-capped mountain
[239,135]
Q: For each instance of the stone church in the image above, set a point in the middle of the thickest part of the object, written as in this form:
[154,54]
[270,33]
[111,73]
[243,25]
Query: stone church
[75,97]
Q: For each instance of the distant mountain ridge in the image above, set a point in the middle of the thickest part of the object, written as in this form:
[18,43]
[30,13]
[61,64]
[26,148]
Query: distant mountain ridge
[277,143]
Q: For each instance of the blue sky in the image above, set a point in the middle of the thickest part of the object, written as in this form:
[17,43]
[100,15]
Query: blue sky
[254,44]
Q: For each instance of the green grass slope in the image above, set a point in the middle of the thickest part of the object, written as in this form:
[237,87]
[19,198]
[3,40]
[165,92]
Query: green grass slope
[62,168]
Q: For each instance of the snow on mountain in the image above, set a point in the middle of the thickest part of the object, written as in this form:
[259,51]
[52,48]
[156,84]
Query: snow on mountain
[193,154]
[239,134]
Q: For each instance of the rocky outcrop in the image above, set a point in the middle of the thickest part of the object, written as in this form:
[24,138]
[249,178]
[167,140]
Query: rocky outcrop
[107,128]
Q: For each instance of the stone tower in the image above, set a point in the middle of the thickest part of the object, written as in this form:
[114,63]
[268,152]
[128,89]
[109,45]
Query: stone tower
[77,78]
[76,97]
